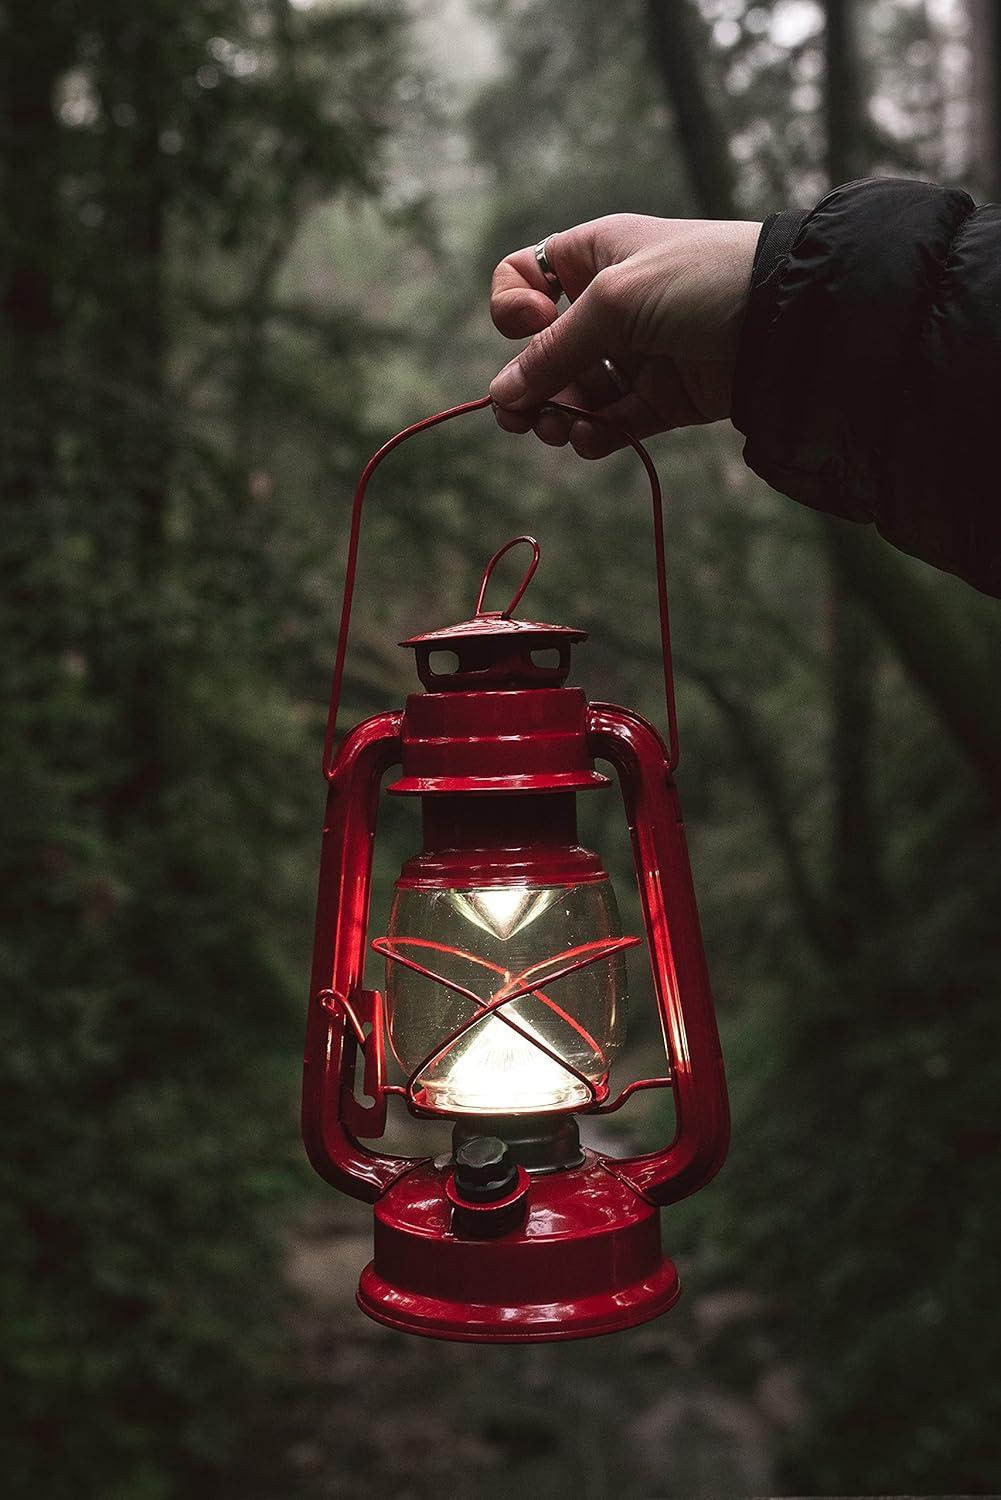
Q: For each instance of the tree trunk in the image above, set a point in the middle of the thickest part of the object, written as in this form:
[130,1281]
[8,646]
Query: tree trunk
[682,60]
[35,611]
[957,677]
[765,765]
[844,109]
[986,115]
[857,886]
[32,56]
[130,359]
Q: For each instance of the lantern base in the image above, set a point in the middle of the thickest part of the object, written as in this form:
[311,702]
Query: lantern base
[586,1260]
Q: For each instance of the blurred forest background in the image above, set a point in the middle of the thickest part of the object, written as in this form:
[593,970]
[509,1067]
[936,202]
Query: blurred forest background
[243,241]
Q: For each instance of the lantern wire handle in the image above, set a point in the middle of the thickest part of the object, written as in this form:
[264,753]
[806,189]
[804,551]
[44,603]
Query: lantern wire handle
[351,567]
[529,574]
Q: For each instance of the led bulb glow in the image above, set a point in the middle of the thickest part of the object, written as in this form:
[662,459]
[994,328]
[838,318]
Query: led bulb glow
[505,909]
[498,1071]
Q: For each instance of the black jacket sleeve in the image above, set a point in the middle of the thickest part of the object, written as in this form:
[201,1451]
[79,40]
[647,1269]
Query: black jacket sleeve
[868,379]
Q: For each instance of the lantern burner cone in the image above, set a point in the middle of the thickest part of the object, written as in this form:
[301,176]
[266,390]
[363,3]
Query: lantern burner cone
[540,1143]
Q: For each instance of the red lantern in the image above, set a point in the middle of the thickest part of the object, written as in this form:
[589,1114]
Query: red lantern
[505,986]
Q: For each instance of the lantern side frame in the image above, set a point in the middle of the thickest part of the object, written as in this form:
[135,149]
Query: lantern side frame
[332,1117]
[677,961]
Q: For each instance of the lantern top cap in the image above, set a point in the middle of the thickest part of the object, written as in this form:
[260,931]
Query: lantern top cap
[498,622]
[494,624]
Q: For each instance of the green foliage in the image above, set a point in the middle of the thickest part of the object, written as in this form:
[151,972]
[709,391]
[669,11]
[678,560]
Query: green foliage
[155,752]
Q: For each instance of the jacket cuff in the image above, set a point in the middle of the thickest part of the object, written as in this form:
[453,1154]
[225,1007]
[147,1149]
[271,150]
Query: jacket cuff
[835,347]
[777,237]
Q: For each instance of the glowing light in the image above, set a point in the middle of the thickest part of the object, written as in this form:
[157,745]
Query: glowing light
[495,1070]
[504,910]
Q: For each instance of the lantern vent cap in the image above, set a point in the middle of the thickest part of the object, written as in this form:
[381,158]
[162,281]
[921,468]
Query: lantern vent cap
[493,623]
[491,649]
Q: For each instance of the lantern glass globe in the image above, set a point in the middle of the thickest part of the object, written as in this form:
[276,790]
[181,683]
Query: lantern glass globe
[541,1051]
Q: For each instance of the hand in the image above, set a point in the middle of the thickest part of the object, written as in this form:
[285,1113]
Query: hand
[663,298]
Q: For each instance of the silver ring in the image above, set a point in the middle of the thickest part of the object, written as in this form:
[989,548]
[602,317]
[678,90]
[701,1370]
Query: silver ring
[621,382]
[554,285]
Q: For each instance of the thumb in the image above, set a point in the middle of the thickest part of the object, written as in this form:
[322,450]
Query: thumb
[561,353]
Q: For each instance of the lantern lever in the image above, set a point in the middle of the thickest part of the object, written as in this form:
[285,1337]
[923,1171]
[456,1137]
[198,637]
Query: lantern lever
[636,1087]
[351,566]
[366,1010]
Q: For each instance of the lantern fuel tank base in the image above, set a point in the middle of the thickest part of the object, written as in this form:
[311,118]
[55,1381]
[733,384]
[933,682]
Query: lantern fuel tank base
[585,1259]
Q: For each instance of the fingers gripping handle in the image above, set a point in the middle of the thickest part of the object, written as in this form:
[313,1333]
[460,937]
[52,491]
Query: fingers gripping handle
[351,566]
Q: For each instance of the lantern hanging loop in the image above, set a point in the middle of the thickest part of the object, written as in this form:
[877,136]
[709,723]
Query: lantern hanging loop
[351,566]
[529,574]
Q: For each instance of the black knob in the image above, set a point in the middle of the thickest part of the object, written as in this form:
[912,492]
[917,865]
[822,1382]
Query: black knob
[484,1170]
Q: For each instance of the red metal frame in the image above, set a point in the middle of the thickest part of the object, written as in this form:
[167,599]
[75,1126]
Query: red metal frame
[594,1226]
[332,1117]
[677,959]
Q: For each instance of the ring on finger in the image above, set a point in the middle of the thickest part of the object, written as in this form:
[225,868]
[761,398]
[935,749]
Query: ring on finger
[554,285]
[619,379]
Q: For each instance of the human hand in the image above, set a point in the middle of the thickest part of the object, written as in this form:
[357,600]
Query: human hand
[663,298]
